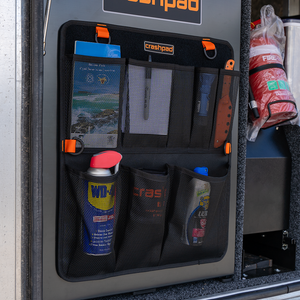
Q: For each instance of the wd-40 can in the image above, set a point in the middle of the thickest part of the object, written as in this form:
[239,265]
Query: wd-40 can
[99,210]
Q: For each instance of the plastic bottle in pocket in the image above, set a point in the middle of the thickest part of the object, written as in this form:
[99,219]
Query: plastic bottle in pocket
[196,213]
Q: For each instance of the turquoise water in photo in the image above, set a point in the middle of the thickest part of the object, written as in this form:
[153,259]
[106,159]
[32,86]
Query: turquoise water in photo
[97,112]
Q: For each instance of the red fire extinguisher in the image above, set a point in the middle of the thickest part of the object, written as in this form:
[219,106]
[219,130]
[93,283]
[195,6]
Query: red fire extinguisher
[268,82]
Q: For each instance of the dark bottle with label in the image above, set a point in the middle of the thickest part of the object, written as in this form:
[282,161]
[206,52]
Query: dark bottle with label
[199,224]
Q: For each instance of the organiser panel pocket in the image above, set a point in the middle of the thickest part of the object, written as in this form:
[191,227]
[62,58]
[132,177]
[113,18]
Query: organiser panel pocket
[181,107]
[144,232]
[87,222]
[148,104]
[225,107]
[198,219]
[95,105]
[206,82]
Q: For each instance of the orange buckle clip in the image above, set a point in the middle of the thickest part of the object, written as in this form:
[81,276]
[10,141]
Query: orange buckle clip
[69,146]
[207,46]
[227,148]
[102,31]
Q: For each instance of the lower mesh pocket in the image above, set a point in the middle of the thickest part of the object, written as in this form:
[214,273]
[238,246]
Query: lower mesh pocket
[198,219]
[86,233]
[144,232]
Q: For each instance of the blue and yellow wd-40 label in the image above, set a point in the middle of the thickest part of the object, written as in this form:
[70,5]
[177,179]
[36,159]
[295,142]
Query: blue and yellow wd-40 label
[99,215]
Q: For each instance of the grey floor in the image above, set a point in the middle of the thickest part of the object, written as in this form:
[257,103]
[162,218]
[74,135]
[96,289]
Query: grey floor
[294,296]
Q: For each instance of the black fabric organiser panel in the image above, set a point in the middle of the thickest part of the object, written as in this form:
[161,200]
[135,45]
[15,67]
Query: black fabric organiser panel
[144,241]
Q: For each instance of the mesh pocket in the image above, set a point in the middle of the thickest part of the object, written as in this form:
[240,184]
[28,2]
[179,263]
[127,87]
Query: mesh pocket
[181,107]
[206,89]
[198,219]
[143,237]
[87,226]
[148,106]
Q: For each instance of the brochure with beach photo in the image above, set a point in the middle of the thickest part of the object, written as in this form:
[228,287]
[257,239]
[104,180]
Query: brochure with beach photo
[95,104]
[95,98]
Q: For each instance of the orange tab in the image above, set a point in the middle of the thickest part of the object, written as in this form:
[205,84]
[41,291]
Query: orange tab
[69,146]
[229,64]
[208,45]
[102,31]
[227,148]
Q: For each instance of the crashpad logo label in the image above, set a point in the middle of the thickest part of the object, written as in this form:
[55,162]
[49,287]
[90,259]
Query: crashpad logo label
[159,48]
[187,11]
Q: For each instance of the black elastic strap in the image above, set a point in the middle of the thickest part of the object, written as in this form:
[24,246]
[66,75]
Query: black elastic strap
[264,67]
[279,101]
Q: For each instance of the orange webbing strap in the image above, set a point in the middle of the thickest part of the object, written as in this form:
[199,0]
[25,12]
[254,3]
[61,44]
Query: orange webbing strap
[69,146]
[208,45]
[102,31]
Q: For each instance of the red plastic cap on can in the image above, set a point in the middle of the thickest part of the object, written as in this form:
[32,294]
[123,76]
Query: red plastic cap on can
[105,159]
